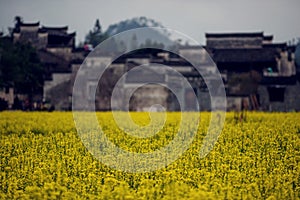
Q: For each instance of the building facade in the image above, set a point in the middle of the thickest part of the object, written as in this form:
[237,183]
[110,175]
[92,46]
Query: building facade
[56,49]
[256,70]
[257,73]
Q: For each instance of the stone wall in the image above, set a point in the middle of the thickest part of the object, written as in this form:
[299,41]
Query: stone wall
[204,101]
[291,99]
[57,90]
[147,96]
[7,95]
[65,52]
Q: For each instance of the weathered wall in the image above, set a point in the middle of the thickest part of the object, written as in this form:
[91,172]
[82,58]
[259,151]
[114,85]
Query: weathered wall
[145,97]
[291,99]
[65,52]
[58,89]
[7,96]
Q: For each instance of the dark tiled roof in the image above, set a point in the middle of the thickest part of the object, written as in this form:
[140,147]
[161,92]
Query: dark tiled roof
[191,47]
[148,76]
[48,57]
[119,61]
[30,24]
[48,28]
[244,55]
[268,37]
[281,80]
[60,40]
[42,31]
[54,62]
[221,35]
[182,63]
[55,30]
[275,45]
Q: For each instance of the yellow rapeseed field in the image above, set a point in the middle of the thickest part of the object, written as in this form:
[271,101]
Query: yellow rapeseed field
[42,157]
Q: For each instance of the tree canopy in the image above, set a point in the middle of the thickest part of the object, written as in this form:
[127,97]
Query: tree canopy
[95,36]
[20,67]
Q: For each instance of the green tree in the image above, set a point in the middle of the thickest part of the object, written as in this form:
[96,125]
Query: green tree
[95,36]
[20,68]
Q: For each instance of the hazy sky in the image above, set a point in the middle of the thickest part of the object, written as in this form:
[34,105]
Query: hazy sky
[192,17]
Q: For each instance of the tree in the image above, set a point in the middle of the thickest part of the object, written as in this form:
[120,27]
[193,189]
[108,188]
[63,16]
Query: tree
[95,36]
[20,68]
[97,27]
[18,22]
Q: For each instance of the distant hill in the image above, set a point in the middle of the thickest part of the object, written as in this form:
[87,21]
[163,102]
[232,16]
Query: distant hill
[137,22]
[140,22]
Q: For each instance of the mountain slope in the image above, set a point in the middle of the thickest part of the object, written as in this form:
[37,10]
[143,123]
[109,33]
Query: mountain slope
[137,22]
[140,37]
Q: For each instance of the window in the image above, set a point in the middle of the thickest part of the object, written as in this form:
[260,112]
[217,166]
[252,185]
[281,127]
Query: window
[276,94]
